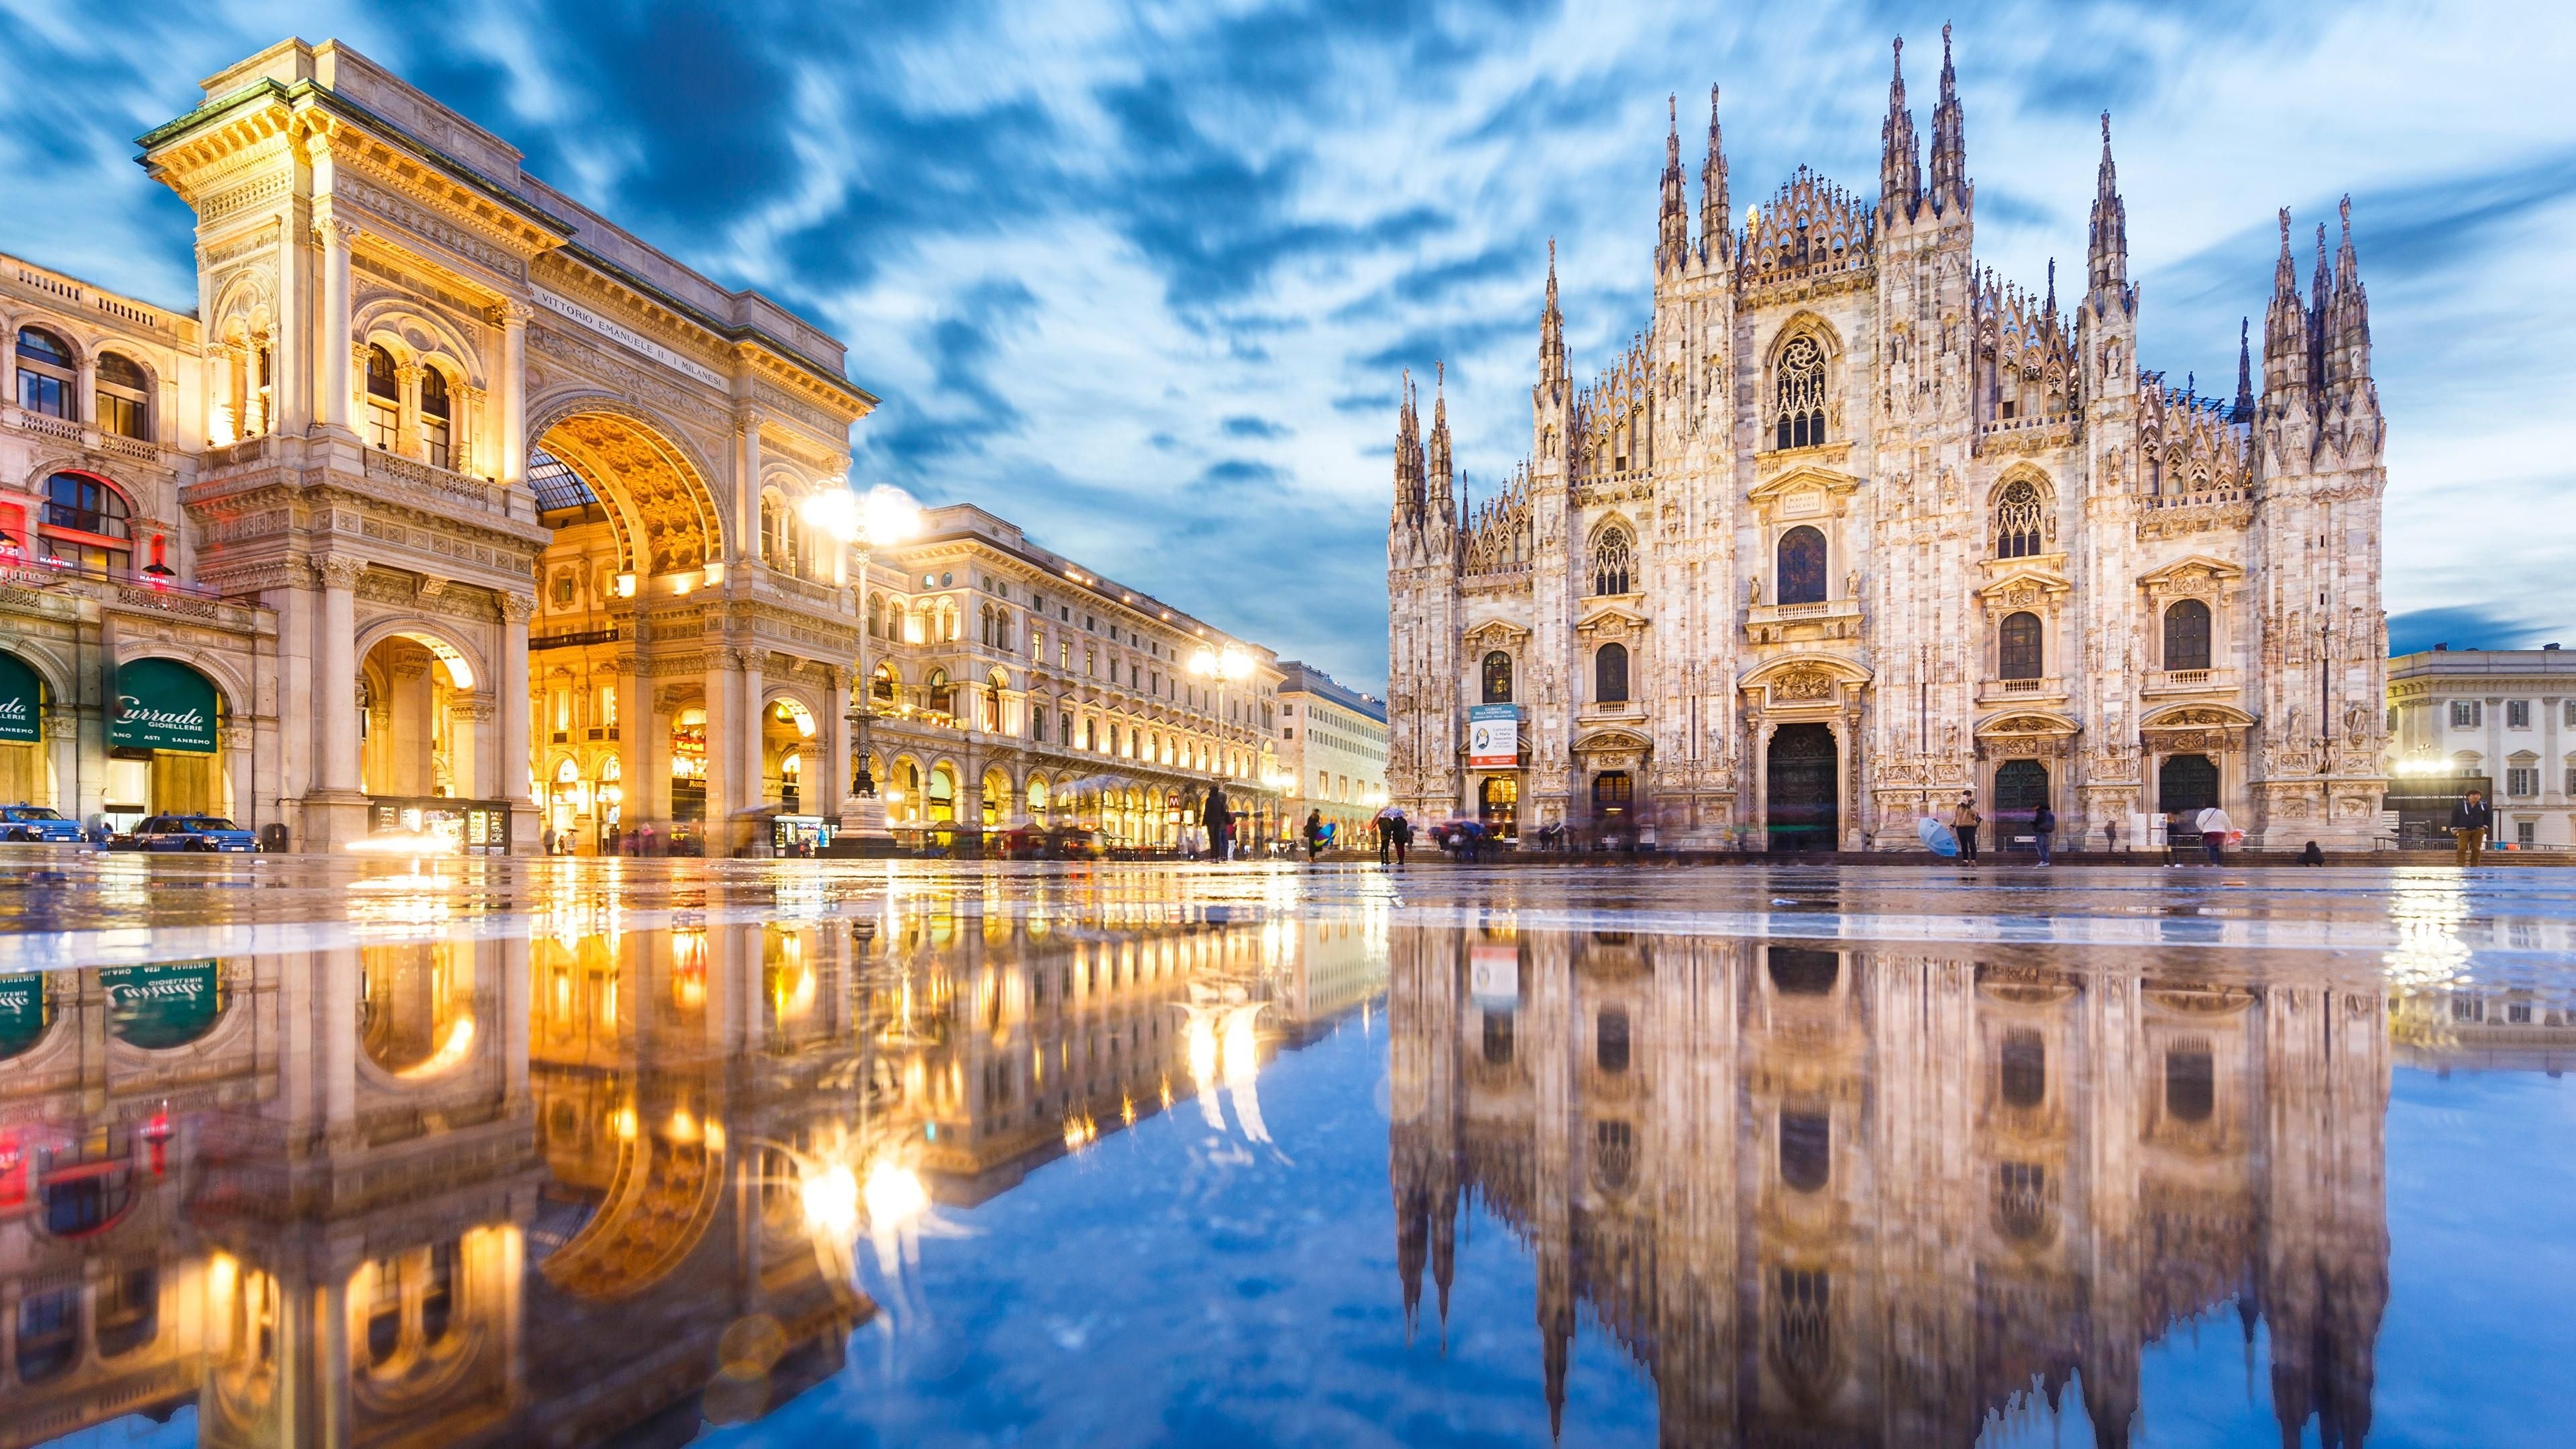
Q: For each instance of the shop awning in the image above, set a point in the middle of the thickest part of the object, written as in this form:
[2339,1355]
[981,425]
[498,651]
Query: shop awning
[162,704]
[22,701]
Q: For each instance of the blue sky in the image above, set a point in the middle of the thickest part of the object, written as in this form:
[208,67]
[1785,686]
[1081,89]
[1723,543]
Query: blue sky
[1143,277]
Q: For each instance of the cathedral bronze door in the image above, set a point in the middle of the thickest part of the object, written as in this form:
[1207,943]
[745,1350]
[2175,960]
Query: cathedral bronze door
[1801,776]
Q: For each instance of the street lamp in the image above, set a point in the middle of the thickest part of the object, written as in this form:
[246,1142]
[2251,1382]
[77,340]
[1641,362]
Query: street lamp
[880,518]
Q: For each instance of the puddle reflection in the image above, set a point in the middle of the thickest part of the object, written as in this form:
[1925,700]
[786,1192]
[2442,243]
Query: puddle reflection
[601,1181]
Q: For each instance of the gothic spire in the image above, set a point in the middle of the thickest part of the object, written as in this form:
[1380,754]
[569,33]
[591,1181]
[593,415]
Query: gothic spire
[2050,307]
[1950,185]
[2348,322]
[1408,456]
[2285,330]
[1441,501]
[1676,222]
[1900,169]
[1716,233]
[2244,412]
[1551,333]
[2320,297]
[2110,236]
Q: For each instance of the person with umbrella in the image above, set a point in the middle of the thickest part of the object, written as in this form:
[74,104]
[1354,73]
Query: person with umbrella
[1393,830]
[1216,819]
[2214,825]
[1314,835]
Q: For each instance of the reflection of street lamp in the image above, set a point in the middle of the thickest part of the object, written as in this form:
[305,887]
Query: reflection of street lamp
[880,518]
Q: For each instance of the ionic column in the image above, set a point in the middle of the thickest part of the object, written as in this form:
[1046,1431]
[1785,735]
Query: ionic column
[746,497]
[748,729]
[338,684]
[826,787]
[337,390]
[408,438]
[724,721]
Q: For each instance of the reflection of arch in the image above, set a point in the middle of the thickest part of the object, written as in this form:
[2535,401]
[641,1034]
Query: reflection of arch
[652,484]
[659,1203]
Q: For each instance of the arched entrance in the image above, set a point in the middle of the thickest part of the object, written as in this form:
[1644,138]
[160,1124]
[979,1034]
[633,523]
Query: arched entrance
[25,774]
[2021,787]
[2186,783]
[163,733]
[420,743]
[1800,787]
[689,766]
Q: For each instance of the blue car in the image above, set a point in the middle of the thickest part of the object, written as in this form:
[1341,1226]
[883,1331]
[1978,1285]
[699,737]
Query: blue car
[190,832]
[38,823]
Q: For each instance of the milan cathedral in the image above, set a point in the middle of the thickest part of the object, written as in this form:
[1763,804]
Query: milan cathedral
[1856,526]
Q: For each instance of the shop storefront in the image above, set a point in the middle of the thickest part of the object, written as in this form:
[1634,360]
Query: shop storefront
[466,827]
[163,732]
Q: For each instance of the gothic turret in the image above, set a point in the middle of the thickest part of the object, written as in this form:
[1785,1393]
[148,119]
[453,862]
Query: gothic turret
[2347,317]
[1716,232]
[1674,245]
[2109,252]
[1950,185]
[2244,412]
[1439,502]
[1900,166]
[1551,337]
[1409,493]
[2285,332]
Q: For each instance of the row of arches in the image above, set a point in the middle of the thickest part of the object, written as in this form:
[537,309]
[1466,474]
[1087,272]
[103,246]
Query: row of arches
[49,368]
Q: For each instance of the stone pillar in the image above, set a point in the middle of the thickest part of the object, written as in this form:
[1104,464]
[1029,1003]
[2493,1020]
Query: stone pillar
[752,724]
[642,793]
[1761,821]
[512,391]
[746,497]
[724,720]
[335,812]
[516,985]
[340,970]
[827,780]
[408,438]
[337,387]
[512,687]
[468,734]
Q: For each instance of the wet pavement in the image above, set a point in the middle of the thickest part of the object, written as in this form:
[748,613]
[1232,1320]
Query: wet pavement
[768,1153]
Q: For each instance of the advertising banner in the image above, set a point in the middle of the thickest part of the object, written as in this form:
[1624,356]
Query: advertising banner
[22,713]
[22,1012]
[1494,977]
[1494,736]
[162,704]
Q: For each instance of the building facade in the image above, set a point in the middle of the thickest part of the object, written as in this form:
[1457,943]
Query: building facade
[1855,525]
[2499,720]
[1332,746]
[455,508]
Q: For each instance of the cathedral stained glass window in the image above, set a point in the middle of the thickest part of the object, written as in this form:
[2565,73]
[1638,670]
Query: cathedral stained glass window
[1498,678]
[1612,554]
[2018,533]
[1802,566]
[2021,646]
[1798,412]
[2187,635]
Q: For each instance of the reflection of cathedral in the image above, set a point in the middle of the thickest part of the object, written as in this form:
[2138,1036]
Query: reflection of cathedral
[574,1187]
[1860,1197]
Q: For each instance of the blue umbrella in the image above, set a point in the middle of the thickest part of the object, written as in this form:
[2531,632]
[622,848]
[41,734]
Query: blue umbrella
[1937,837]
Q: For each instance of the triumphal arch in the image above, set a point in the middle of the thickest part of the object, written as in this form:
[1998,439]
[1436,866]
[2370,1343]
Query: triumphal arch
[520,490]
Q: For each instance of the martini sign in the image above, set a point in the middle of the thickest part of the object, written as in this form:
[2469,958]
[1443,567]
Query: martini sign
[162,704]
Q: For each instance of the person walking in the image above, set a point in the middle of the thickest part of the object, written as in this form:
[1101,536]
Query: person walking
[2043,824]
[1963,824]
[1215,817]
[1314,835]
[1400,829]
[2214,826]
[1384,828]
[2470,822]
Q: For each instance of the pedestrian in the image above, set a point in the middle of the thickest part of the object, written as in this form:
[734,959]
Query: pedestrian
[2043,824]
[2214,826]
[2311,855]
[1314,835]
[1385,830]
[1214,816]
[546,841]
[1963,823]
[1402,831]
[2470,821]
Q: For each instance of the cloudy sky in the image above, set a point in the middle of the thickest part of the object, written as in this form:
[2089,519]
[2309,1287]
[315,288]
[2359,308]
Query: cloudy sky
[1145,277]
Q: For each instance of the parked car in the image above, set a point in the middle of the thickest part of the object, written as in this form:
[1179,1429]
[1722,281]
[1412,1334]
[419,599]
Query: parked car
[39,823]
[1062,842]
[188,832]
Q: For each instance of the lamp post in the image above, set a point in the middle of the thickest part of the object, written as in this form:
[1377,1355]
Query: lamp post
[881,518]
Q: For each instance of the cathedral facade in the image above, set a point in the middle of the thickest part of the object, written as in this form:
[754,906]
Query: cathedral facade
[1856,526]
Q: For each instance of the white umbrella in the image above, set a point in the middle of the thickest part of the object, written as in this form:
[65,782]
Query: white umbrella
[1939,838]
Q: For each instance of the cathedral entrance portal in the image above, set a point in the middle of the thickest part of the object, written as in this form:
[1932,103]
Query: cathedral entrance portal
[2187,782]
[1803,814]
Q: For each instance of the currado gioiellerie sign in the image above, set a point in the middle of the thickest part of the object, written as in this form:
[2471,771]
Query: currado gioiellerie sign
[159,1007]
[162,704]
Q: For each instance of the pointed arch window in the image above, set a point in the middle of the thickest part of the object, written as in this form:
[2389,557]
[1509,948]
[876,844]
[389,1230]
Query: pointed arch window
[1798,395]
[1613,558]
[1498,678]
[2021,651]
[1802,566]
[2019,520]
[437,432]
[2187,635]
[384,400]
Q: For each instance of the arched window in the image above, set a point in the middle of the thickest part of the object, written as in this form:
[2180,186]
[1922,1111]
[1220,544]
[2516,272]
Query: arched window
[436,433]
[384,400]
[2018,520]
[1612,553]
[777,542]
[1802,566]
[1798,397]
[876,616]
[936,691]
[1610,1040]
[1804,971]
[1610,674]
[884,688]
[2020,653]
[124,397]
[80,504]
[1498,678]
[2191,1088]
[2025,1068]
[1806,1150]
[46,375]
[2187,634]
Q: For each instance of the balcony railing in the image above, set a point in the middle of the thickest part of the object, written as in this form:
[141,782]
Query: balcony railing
[2191,681]
[2006,691]
[464,488]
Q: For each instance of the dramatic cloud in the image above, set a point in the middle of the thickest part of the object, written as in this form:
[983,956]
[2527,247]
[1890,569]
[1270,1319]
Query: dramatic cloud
[1143,277]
